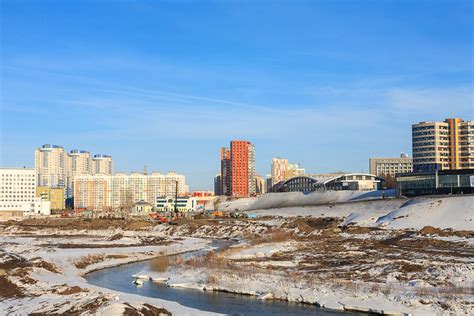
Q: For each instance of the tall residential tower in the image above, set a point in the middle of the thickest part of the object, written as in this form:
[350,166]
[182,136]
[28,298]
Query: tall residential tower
[238,169]
[50,166]
[78,163]
[443,145]
[102,164]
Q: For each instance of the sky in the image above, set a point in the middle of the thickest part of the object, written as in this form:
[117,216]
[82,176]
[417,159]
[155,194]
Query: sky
[327,84]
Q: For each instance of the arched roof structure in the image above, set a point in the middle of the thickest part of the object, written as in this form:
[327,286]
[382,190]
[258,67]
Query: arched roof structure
[335,181]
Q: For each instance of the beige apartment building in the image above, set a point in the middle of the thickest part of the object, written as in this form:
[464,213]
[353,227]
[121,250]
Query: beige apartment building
[79,162]
[103,192]
[293,170]
[443,145]
[57,169]
[390,166]
[50,166]
[282,170]
[102,164]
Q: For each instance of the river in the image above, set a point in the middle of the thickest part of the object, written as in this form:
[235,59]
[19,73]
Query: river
[120,279]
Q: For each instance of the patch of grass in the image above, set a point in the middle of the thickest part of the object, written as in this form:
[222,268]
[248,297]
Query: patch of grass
[274,236]
[116,256]
[72,290]
[88,260]
[40,263]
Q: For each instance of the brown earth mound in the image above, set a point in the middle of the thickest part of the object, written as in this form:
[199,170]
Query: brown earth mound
[72,290]
[312,223]
[77,223]
[146,310]
[430,230]
[8,289]
[11,261]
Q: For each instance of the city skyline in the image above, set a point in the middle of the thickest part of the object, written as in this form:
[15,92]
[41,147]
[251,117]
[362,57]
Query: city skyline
[169,95]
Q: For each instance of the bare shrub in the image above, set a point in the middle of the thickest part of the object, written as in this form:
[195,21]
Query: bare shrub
[40,263]
[277,235]
[88,260]
[116,256]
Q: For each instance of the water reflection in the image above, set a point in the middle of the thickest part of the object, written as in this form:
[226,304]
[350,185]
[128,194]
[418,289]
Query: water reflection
[160,264]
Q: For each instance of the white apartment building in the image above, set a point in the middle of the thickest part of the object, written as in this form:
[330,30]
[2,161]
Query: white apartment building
[17,192]
[101,192]
[102,164]
[50,166]
[390,166]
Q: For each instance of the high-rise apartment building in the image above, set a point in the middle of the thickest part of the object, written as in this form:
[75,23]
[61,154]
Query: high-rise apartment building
[260,185]
[238,169]
[443,145]
[390,166]
[293,170]
[226,180]
[282,170]
[279,166]
[102,192]
[242,156]
[50,166]
[102,164]
[218,184]
[57,169]
[268,183]
[78,163]
[17,192]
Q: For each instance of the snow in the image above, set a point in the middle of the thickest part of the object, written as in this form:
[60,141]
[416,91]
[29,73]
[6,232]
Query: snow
[290,199]
[454,212]
[263,250]
[64,260]
[449,212]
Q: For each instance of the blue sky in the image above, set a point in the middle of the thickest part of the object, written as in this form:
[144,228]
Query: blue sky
[327,84]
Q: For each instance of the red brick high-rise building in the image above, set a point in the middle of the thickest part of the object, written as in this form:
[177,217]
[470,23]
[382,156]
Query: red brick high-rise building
[238,169]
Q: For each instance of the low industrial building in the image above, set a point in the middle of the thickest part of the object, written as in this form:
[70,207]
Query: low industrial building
[334,181]
[459,181]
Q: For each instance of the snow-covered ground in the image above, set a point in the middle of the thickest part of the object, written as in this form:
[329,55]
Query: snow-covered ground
[357,251]
[452,212]
[43,293]
[421,286]
[292,199]
[456,212]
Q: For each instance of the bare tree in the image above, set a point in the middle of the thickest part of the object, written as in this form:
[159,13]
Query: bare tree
[390,181]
